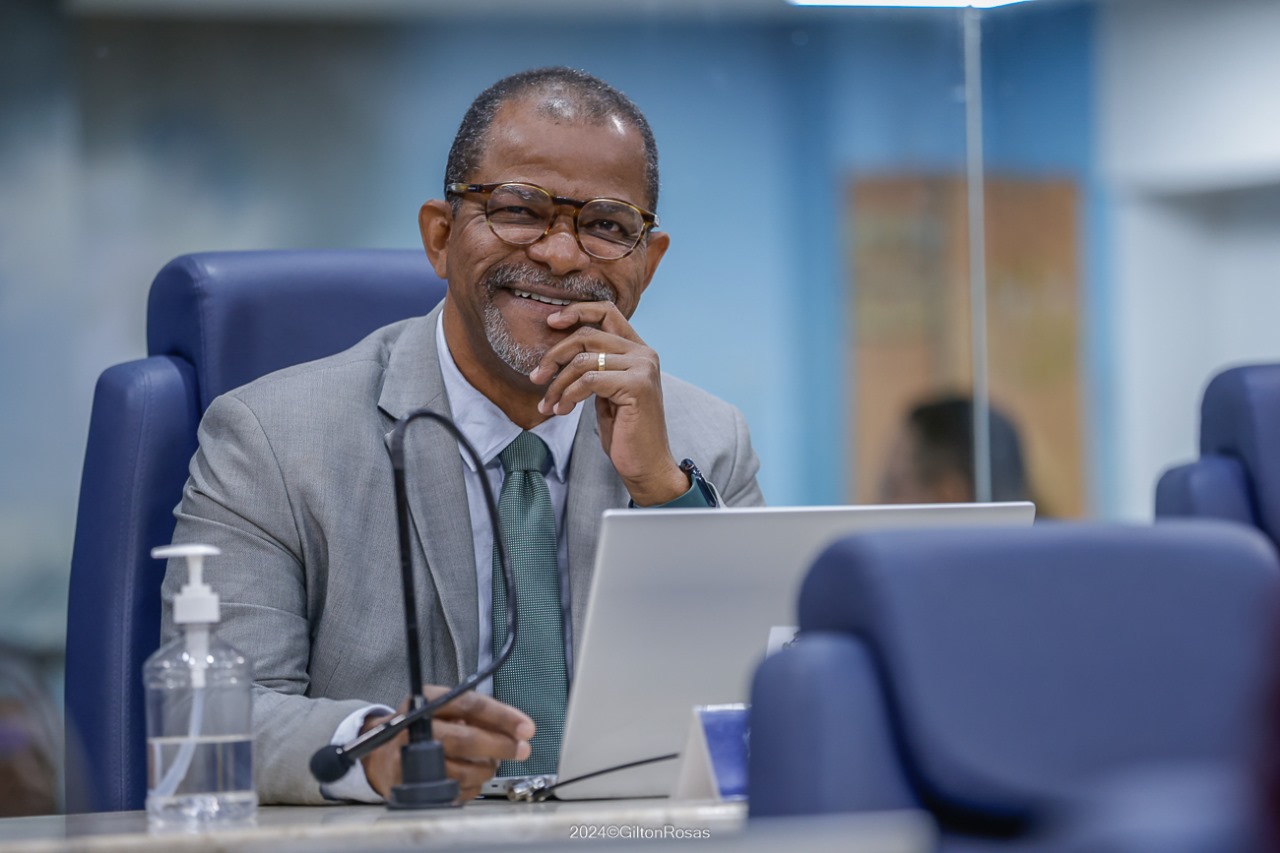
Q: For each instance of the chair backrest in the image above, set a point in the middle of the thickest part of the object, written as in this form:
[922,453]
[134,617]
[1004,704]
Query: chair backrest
[214,322]
[1237,476]
[1016,667]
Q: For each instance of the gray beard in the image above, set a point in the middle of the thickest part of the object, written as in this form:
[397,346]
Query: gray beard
[519,357]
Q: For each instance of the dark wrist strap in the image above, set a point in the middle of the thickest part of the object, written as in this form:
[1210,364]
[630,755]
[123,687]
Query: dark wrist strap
[701,494]
[700,483]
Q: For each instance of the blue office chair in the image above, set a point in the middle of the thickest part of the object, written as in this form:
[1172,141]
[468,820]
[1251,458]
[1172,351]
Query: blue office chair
[993,676]
[214,322]
[1237,476]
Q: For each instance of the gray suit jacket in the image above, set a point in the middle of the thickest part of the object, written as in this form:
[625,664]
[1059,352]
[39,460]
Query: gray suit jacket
[293,482]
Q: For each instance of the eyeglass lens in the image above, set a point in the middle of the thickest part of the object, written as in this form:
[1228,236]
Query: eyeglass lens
[521,214]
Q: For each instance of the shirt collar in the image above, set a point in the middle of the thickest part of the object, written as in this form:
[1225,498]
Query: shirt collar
[486,426]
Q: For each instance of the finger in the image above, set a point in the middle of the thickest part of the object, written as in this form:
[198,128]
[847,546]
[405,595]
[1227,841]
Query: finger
[473,743]
[465,795]
[470,775]
[382,765]
[584,364]
[579,341]
[604,315]
[485,712]
[474,766]
[618,382]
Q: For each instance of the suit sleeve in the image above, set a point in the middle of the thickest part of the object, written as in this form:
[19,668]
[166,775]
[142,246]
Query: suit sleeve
[739,486]
[714,435]
[237,498]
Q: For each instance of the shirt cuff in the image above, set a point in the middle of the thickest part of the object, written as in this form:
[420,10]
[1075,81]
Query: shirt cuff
[355,785]
[692,499]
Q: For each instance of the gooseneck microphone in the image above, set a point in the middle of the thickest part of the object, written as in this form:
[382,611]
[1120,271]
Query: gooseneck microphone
[424,781]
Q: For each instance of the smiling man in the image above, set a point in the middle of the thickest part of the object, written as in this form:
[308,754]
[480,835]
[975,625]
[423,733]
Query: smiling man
[547,238]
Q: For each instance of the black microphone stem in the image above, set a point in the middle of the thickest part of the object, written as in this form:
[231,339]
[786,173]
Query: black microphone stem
[420,729]
[499,541]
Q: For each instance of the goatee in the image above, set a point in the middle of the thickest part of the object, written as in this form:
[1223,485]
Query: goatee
[523,358]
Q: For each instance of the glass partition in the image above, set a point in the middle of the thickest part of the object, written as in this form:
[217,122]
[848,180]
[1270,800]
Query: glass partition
[813,183]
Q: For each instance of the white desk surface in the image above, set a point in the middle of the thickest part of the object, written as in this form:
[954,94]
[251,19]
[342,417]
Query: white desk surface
[483,824]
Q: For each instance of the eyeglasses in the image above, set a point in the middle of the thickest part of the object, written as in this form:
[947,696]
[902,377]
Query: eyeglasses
[522,214]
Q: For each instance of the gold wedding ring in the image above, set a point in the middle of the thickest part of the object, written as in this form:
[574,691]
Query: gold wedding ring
[600,361]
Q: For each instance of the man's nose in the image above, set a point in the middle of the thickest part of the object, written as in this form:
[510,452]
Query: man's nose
[559,250]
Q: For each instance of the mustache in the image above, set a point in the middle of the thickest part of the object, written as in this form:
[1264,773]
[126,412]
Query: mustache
[579,287]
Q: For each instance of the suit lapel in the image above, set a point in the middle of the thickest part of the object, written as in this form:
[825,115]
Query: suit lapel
[437,499]
[594,486]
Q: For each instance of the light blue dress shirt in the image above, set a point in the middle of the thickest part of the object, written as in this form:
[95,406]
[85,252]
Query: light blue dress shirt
[490,431]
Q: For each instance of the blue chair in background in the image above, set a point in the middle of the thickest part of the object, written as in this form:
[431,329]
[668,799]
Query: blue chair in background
[993,677]
[214,321]
[1237,476]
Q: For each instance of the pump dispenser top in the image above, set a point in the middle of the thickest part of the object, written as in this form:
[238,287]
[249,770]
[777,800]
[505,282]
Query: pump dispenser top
[196,603]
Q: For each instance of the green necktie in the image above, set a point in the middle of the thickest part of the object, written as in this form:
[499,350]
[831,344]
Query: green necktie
[533,679]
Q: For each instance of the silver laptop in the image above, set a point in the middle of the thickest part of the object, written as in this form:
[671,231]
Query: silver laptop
[681,609]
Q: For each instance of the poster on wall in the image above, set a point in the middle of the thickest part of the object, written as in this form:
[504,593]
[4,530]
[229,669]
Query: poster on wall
[908,284]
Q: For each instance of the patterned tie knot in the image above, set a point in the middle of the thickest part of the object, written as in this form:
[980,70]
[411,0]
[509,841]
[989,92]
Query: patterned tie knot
[526,453]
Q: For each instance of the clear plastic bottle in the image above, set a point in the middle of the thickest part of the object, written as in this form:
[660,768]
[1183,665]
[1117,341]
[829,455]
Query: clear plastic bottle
[199,714]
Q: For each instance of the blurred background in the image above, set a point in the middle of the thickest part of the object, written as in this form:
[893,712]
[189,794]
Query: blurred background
[817,175]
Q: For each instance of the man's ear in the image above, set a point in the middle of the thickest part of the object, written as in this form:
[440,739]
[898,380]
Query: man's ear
[435,222]
[659,242]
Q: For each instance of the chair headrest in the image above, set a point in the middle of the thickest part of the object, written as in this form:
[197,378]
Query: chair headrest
[239,315]
[1021,663]
[1240,417]
[1210,487]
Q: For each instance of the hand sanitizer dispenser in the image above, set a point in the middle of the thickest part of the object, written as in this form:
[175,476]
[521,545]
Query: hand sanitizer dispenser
[199,713]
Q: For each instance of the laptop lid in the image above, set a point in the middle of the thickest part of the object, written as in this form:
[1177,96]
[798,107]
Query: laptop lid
[680,612]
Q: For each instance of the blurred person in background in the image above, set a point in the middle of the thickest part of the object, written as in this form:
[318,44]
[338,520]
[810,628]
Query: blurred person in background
[30,744]
[931,460]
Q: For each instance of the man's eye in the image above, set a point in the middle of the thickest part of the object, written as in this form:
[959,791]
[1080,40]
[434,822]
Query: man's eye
[614,230]
[605,226]
[510,212]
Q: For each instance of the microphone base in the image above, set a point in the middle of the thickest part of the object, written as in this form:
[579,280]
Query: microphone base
[425,784]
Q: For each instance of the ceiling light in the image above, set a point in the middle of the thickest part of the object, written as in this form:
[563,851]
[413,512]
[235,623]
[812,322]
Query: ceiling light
[919,4]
